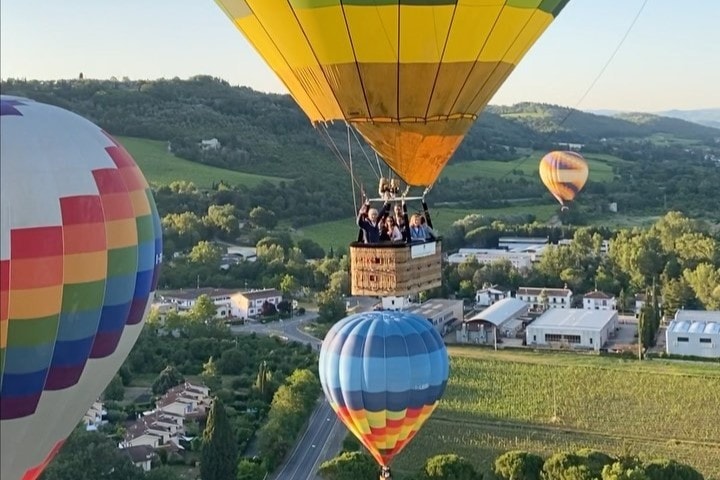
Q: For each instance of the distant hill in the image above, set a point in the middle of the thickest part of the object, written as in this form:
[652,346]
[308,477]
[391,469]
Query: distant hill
[710,117]
[646,163]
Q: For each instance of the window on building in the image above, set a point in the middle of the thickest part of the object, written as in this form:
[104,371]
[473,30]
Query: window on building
[705,340]
[571,338]
[551,337]
[683,339]
[534,338]
[604,303]
[590,340]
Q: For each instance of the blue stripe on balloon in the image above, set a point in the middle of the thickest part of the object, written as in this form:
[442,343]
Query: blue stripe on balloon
[113,317]
[119,289]
[74,352]
[143,284]
[390,401]
[23,384]
[25,360]
[76,325]
[146,255]
[379,361]
[379,374]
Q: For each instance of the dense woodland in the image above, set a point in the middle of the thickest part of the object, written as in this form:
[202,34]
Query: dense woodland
[668,162]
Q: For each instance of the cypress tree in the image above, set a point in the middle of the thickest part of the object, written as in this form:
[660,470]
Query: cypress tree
[218,457]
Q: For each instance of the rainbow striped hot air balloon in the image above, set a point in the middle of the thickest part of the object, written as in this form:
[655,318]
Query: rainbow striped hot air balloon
[80,251]
[383,374]
[564,174]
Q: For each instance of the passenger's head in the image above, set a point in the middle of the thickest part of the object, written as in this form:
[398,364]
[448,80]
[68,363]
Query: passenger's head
[373,214]
[415,220]
[398,211]
[389,222]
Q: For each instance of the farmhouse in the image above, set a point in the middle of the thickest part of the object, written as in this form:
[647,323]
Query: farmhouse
[249,304]
[575,328]
[489,295]
[556,297]
[599,301]
[443,314]
[184,300]
[694,332]
[504,318]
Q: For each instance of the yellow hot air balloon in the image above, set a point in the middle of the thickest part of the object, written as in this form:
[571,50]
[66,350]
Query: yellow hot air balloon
[564,174]
[410,75]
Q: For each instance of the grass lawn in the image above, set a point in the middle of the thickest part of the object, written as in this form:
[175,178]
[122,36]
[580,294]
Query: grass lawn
[161,167]
[547,402]
[339,233]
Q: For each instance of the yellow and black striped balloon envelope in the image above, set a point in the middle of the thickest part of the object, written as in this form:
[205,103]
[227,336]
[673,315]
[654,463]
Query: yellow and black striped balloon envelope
[564,174]
[410,75]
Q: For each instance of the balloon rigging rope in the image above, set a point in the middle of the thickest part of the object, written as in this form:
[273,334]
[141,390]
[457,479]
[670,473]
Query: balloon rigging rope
[592,84]
[367,157]
[352,173]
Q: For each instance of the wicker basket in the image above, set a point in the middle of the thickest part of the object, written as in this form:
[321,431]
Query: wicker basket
[388,269]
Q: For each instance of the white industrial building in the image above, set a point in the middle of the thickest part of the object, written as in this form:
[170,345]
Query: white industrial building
[695,333]
[575,327]
[443,314]
[486,256]
[504,319]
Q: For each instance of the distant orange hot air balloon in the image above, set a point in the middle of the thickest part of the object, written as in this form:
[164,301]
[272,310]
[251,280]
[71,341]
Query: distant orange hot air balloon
[564,174]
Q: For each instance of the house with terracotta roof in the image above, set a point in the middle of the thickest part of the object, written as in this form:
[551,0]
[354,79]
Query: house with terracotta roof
[141,456]
[185,400]
[598,300]
[556,297]
[249,304]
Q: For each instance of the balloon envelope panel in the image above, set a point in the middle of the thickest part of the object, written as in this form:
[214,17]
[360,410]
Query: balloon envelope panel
[411,75]
[564,174]
[80,251]
[383,374]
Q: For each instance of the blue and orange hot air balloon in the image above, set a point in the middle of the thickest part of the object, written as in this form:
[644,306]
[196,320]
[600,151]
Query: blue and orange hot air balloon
[80,251]
[564,174]
[383,374]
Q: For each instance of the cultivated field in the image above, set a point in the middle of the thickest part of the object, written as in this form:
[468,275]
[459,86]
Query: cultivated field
[161,167]
[542,402]
[339,233]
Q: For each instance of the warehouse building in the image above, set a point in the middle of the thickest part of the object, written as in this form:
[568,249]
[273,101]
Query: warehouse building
[694,332]
[443,314]
[574,328]
[504,319]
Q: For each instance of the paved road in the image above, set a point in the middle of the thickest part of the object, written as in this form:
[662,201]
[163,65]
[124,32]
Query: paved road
[324,434]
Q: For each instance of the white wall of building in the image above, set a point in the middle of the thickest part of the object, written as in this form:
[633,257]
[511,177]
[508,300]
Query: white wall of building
[699,339]
[574,328]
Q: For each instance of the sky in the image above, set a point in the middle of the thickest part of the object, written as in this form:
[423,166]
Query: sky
[669,60]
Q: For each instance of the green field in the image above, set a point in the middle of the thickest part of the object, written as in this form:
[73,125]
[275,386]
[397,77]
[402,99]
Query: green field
[546,402]
[161,167]
[341,232]
[600,168]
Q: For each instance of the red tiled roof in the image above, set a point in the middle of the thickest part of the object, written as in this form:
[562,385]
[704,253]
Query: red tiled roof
[598,295]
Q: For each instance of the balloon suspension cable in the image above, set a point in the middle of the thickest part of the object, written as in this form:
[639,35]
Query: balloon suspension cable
[352,173]
[377,172]
[592,85]
[325,134]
